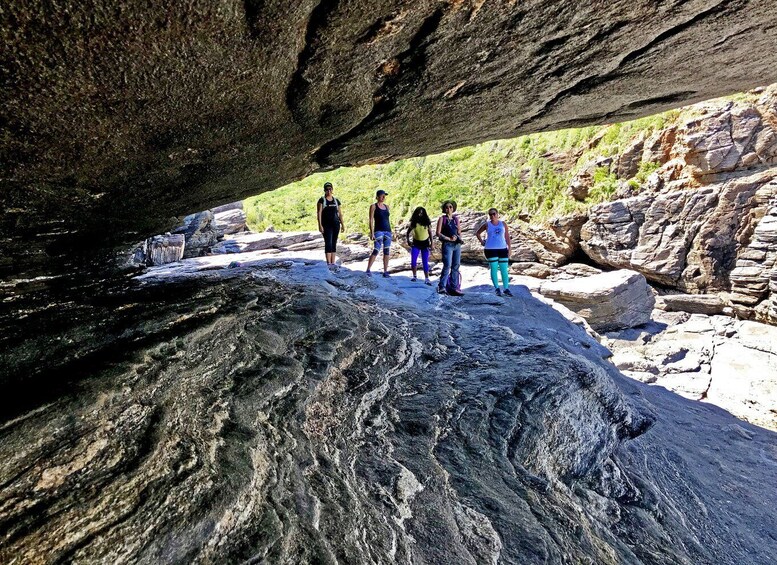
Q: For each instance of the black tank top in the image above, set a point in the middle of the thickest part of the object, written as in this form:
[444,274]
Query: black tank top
[382,219]
[449,228]
[329,212]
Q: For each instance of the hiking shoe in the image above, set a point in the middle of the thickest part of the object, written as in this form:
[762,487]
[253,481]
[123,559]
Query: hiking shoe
[386,275]
[428,282]
[455,292]
[440,290]
[498,292]
[507,292]
[413,279]
[368,273]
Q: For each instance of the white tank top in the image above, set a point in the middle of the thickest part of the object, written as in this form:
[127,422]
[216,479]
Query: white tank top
[495,238]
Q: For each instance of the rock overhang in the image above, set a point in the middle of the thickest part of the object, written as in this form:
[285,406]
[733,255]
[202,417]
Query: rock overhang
[119,118]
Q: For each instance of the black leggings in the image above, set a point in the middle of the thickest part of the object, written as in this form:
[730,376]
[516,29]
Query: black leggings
[330,238]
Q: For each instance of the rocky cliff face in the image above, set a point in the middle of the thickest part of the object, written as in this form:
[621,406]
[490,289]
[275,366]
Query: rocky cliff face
[129,115]
[705,221]
[333,418]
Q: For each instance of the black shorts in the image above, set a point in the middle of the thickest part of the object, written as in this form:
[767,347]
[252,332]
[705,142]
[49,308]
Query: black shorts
[500,253]
[421,244]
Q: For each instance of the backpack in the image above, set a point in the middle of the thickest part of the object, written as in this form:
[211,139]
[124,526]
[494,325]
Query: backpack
[335,203]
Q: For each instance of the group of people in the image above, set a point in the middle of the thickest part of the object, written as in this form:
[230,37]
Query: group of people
[421,240]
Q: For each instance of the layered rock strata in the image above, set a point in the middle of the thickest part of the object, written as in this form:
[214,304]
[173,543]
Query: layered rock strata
[242,419]
[713,239]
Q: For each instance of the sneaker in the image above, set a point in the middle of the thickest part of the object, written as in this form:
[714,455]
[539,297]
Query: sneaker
[440,290]
[498,292]
[386,275]
[507,292]
[455,292]
[368,273]
[428,282]
[413,279]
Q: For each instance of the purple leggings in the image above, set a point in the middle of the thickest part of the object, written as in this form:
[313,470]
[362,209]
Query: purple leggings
[414,251]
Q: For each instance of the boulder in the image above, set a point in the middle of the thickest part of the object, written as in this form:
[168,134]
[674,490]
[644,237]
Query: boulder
[608,301]
[531,269]
[727,138]
[628,161]
[693,303]
[230,219]
[163,249]
[243,243]
[658,147]
[722,237]
[200,232]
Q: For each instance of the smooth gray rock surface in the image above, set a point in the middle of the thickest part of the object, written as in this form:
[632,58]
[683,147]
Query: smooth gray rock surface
[297,415]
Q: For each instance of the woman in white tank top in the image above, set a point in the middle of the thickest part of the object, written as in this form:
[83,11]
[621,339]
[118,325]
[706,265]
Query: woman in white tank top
[497,250]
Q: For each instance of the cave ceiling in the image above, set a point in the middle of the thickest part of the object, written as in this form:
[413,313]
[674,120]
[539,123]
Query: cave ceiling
[118,117]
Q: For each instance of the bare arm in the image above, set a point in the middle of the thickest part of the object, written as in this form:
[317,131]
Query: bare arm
[319,207]
[507,238]
[372,221]
[480,230]
[439,228]
[340,213]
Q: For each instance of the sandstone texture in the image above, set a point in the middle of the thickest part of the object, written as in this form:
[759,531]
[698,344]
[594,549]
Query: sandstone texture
[278,412]
[133,115]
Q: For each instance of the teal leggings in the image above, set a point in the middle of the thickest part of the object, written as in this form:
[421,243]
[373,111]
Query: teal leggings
[499,264]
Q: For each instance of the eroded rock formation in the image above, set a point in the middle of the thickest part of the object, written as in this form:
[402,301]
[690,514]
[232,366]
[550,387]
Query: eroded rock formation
[129,115]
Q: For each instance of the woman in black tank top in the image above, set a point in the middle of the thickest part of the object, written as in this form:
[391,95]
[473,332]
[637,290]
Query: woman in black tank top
[380,231]
[330,222]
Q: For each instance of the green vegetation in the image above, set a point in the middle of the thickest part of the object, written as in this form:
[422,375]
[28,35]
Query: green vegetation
[526,176]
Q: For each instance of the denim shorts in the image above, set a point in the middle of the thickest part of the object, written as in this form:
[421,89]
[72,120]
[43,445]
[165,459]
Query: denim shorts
[382,239]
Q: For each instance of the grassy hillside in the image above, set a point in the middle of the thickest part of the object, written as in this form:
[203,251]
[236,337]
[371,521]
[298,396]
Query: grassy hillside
[526,176]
